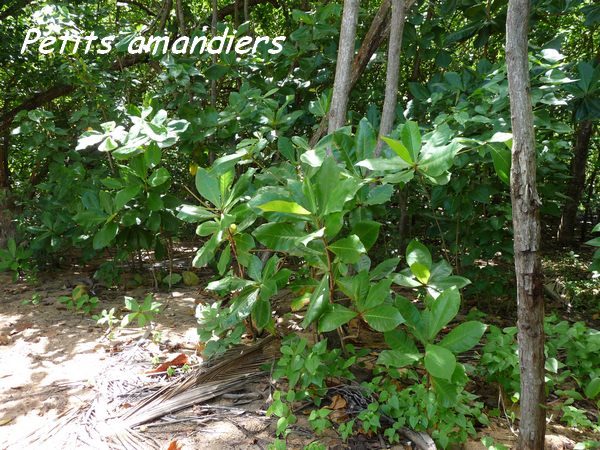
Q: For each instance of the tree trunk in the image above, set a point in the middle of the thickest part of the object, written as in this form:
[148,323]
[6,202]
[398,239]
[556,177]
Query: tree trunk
[591,184]
[6,224]
[4,171]
[581,149]
[341,84]
[375,36]
[526,227]
[399,9]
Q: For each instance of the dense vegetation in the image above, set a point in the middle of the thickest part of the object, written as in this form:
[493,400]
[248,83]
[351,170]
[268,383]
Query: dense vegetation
[125,159]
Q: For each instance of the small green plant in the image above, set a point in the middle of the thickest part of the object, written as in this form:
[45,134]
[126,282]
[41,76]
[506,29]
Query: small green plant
[595,267]
[15,259]
[572,366]
[80,300]
[307,370]
[143,313]
[489,443]
[107,318]
[35,299]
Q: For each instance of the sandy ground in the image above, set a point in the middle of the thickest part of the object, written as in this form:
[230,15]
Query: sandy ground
[50,358]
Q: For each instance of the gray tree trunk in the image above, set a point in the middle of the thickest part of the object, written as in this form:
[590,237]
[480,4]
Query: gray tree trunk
[377,32]
[399,10]
[7,229]
[526,227]
[581,149]
[343,69]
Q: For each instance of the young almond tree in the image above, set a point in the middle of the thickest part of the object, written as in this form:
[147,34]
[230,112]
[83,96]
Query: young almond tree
[526,226]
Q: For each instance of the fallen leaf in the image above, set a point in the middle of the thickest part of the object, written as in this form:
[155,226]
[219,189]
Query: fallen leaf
[338,402]
[4,339]
[178,361]
[174,445]
[6,421]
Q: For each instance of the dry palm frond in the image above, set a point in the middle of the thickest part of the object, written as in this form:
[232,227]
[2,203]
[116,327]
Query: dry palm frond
[101,424]
[230,372]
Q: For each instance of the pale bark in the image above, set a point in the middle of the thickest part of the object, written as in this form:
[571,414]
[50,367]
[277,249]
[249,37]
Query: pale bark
[181,17]
[581,149]
[341,84]
[526,227]
[399,10]
[377,33]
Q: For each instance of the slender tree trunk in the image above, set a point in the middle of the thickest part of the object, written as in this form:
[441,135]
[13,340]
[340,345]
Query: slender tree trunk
[341,85]
[246,11]
[399,9]
[588,199]
[375,36]
[526,227]
[4,170]
[6,224]
[581,149]
[181,17]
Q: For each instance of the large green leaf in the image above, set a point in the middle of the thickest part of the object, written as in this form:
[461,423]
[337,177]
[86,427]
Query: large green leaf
[383,318]
[439,361]
[105,236]
[418,253]
[282,237]
[319,302]
[592,390]
[397,358]
[342,192]
[594,242]
[384,164]
[464,337]
[378,294]
[159,176]
[283,206]
[206,253]
[335,317]
[262,313]
[437,160]
[411,138]
[501,157]
[400,150]
[192,213]
[443,310]
[125,195]
[208,187]
[348,249]
[365,139]
[401,341]
[367,231]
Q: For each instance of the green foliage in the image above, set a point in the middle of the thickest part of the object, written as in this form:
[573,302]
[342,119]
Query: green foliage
[16,259]
[595,267]
[80,300]
[143,313]
[572,365]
